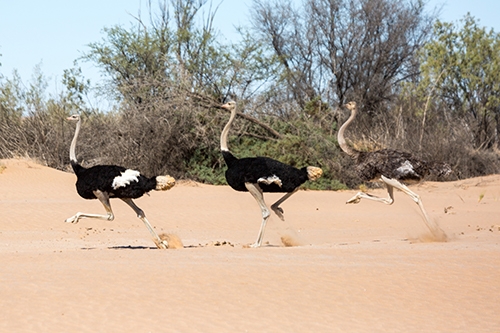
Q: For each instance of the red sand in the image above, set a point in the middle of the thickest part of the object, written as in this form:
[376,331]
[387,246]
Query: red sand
[357,268]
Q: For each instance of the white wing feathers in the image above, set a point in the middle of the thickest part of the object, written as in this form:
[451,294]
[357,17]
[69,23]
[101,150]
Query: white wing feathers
[269,180]
[125,178]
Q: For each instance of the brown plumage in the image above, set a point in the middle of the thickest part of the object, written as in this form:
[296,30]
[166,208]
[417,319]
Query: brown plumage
[391,166]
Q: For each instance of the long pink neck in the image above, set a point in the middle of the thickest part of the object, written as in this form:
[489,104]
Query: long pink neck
[72,148]
[340,136]
[225,131]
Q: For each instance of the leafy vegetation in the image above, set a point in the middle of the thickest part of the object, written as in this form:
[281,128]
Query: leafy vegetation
[423,86]
[465,67]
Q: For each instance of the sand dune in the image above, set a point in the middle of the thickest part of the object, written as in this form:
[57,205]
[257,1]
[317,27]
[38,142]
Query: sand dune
[354,268]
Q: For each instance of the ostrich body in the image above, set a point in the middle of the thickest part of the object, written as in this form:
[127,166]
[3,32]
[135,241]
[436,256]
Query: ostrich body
[103,182]
[262,174]
[392,166]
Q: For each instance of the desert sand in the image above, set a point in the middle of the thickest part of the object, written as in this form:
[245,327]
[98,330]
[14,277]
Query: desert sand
[353,268]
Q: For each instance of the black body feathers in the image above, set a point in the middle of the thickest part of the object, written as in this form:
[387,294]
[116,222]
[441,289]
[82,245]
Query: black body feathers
[101,177]
[256,170]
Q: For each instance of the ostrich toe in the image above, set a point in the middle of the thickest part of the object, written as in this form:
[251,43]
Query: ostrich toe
[279,211]
[354,200]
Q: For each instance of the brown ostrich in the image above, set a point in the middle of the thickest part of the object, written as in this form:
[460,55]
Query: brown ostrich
[392,166]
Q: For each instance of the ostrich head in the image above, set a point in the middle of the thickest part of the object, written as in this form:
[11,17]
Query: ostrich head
[231,105]
[351,106]
[74,117]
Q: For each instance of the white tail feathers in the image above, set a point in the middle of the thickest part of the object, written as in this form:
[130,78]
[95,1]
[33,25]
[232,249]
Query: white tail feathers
[164,183]
[314,173]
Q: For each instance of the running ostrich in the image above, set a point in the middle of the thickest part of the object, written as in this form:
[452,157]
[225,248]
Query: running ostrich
[111,181]
[392,166]
[262,174]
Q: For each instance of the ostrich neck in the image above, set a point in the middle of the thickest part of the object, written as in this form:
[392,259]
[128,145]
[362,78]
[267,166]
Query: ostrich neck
[225,131]
[72,148]
[340,136]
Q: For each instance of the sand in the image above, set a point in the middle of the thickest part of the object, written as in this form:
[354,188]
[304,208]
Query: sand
[347,268]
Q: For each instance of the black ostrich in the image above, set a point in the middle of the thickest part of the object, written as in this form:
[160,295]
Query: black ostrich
[262,174]
[392,166]
[111,181]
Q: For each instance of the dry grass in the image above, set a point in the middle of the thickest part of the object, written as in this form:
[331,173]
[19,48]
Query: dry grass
[171,137]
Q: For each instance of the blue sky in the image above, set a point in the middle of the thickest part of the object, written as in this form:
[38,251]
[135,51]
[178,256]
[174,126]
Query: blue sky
[54,33]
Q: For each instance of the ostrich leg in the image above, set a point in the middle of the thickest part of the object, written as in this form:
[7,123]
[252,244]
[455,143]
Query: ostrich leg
[104,199]
[362,195]
[436,231]
[257,193]
[276,206]
[161,244]
[433,227]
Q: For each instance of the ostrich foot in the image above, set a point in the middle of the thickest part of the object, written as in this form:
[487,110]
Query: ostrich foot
[354,200]
[360,195]
[73,219]
[78,216]
[279,211]
[161,244]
